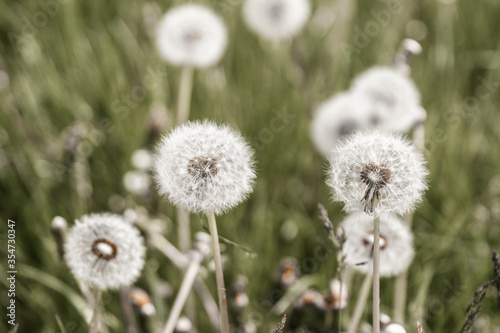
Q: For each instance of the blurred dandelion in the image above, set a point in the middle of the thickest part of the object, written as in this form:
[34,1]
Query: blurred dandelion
[396,244]
[191,35]
[394,328]
[104,251]
[372,165]
[338,117]
[276,19]
[393,98]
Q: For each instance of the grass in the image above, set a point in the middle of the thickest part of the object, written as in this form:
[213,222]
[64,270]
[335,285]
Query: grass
[83,63]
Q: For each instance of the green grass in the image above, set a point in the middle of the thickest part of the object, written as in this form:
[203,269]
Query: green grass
[78,66]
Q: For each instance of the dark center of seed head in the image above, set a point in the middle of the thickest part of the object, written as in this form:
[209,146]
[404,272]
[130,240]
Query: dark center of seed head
[203,167]
[104,249]
[369,240]
[375,176]
[277,9]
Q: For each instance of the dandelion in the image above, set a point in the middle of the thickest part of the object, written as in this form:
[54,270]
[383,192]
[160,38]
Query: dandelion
[396,244]
[393,98]
[191,35]
[394,255]
[142,159]
[336,118]
[276,19]
[394,328]
[204,167]
[369,166]
[104,251]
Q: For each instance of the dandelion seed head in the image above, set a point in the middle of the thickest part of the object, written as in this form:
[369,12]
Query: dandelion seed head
[338,117]
[393,98]
[104,251]
[373,165]
[203,167]
[191,35]
[396,245]
[276,19]
[394,328]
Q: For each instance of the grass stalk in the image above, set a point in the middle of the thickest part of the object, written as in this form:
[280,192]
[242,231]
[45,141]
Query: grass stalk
[184,292]
[360,304]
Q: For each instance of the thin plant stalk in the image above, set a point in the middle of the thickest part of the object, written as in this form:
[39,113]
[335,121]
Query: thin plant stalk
[94,322]
[184,225]
[360,304]
[401,283]
[184,292]
[184,97]
[376,270]
[219,275]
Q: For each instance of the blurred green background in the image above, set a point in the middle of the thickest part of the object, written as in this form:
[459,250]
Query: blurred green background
[93,64]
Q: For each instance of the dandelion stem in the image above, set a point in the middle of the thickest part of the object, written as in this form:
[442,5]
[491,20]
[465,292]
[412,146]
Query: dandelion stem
[184,227]
[184,97]
[94,322]
[184,292]
[219,275]
[376,269]
[360,304]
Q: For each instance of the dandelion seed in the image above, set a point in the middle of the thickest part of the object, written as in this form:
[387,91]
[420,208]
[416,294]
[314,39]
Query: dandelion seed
[276,19]
[104,251]
[374,165]
[336,298]
[396,244]
[191,35]
[204,167]
[336,118]
[393,98]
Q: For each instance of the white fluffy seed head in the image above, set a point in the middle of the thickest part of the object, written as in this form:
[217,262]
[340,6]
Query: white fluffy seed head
[373,164]
[105,251]
[276,19]
[191,35]
[396,250]
[336,118]
[394,328]
[203,167]
[393,98]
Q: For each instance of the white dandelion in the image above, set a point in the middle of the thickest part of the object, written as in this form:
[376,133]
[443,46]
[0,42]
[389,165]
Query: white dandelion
[276,19]
[375,166]
[104,251]
[339,116]
[203,167]
[191,35]
[206,168]
[394,328]
[393,98]
[396,244]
